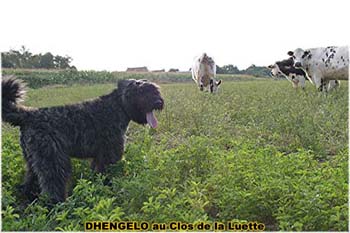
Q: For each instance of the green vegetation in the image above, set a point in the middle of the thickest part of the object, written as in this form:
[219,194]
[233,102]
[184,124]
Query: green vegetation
[24,59]
[256,71]
[257,151]
[41,78]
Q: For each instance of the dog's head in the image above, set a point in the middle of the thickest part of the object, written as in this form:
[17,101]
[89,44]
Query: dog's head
[139,99]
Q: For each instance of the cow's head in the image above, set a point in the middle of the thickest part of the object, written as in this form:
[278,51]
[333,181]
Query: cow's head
[297,80]
[214,85]
[300,57]
[274,70]
[287,69]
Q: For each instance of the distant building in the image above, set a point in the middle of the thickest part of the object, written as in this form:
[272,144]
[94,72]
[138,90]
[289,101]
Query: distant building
[158,71]
[137,69]
[173,70]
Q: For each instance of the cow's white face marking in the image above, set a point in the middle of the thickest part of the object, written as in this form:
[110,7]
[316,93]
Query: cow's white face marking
[275,71]
[298,57]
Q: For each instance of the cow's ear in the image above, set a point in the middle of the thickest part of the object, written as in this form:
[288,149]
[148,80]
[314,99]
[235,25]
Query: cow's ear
[290,53]
[270,66]
[218,82]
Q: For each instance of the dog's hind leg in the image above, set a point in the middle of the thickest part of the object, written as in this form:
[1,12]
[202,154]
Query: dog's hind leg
[30,187]
[53,168]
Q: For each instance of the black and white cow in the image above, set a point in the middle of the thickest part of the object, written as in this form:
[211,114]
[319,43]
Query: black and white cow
[286,68]
[323,65]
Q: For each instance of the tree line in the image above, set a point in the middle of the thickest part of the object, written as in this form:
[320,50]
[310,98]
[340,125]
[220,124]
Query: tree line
[24,59]
[254,70]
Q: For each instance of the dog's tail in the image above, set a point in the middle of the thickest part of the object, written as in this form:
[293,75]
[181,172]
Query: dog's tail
[13,92]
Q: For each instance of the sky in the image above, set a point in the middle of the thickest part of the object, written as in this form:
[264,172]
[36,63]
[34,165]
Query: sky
[113,35]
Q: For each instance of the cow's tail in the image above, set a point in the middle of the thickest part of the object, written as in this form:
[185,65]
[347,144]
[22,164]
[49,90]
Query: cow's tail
[13,92]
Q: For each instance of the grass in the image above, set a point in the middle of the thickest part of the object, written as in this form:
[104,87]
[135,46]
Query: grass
[42,77]
[257,151]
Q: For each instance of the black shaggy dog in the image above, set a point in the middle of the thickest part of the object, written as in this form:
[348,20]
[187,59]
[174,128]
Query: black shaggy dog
[93,129]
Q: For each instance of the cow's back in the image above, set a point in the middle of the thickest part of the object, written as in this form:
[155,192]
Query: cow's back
[203,69]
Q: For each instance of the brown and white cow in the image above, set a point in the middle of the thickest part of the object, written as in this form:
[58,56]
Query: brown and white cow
[204,73]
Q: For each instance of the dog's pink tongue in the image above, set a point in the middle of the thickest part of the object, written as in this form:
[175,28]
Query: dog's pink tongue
[151,119]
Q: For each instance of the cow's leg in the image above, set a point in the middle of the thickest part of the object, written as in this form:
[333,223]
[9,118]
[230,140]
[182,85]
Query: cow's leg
[318,83]
[302,83]
[320,86]
[332,84]
[325,86]
[337,83]
[201,85]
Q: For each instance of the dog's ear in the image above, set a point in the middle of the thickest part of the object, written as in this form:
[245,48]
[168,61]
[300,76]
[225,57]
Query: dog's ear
[125,83]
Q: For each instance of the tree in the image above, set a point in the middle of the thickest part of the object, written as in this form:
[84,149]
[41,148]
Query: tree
[46,61]
[35,61]
[6,61]
[219,70]
[254,70]
[231,69]
[227,69]
[257,71]
[23,58]
[62,62]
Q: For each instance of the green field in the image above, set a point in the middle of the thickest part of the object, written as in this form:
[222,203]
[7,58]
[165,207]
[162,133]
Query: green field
[41,77]
[259,151]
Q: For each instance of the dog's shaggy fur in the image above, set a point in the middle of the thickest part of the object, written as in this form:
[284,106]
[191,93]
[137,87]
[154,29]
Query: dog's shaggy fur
[93,129]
